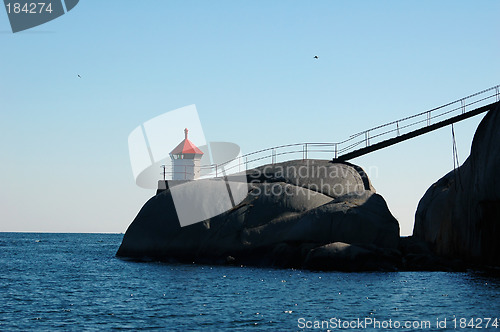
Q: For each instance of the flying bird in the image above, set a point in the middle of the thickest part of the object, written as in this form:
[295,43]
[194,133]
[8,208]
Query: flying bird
[316,57]
[79,76]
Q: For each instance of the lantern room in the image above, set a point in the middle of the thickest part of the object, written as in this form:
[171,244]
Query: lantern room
[186,160]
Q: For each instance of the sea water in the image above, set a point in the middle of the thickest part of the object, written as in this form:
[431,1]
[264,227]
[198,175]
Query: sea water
[75,282]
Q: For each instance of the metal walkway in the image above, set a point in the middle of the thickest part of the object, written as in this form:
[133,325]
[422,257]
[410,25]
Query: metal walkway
[369,140]
[400,138]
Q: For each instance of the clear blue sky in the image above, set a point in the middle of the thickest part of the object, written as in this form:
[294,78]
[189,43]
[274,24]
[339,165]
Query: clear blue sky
[249,68]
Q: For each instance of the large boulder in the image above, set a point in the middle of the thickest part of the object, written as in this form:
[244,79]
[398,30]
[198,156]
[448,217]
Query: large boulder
[290,209]
[459,215]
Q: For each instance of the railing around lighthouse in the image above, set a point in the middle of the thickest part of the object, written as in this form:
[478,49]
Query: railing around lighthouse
[257,158]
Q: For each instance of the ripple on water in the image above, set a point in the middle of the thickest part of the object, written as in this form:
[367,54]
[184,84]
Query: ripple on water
[73,281]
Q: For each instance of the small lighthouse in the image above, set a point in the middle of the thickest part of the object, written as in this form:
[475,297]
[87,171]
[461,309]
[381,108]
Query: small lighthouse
[186,160]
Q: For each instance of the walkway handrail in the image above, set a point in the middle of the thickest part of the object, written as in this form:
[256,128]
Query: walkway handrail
[368,137]
[496,87]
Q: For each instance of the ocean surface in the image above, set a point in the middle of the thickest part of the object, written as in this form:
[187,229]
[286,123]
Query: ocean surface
[74,282]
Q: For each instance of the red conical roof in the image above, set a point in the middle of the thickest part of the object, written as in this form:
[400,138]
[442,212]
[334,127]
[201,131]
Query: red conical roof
[186,146]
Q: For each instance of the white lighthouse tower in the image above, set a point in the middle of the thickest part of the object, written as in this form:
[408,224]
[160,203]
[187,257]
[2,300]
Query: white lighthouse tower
[186,160]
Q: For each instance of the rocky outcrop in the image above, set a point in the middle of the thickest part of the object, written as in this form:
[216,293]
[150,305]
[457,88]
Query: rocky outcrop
[290,212]
[417,255]
[459,215]
[351,257]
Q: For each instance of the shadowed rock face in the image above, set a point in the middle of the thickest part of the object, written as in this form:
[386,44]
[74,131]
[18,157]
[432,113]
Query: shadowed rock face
[290,209]
[460,214]
[351,257]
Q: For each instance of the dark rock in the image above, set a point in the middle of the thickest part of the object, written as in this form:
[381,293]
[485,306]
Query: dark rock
[284,216]
[341,256]
[459,215]
[412,245]
[417,255]
[230,260]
